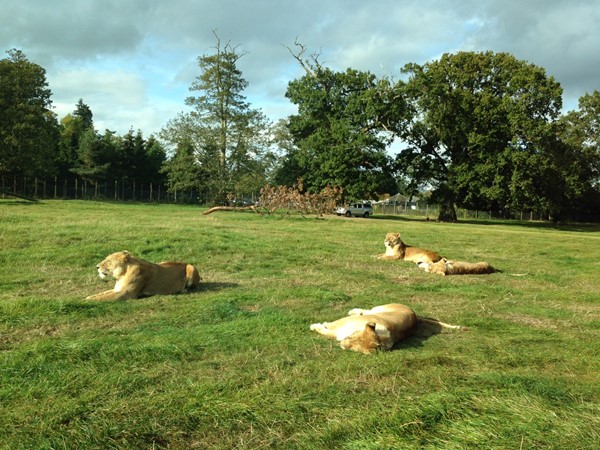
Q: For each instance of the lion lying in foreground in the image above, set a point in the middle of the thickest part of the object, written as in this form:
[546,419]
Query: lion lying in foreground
[447,267]
[379,328]
[136,277]
[396,249]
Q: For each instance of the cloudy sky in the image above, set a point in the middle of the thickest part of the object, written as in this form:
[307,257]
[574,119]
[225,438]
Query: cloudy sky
[132,61]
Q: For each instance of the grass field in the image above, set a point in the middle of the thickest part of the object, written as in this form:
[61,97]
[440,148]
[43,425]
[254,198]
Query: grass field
[234,365]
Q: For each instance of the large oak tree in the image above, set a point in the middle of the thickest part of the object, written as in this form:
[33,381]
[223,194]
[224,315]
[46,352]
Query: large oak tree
[482,131]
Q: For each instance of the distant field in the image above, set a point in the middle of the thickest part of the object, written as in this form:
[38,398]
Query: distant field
[235,365]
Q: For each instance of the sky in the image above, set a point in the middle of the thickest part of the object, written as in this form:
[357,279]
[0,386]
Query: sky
[133,61]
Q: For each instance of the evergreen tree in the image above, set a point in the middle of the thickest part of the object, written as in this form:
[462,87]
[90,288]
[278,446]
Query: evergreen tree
[93,162]
[72,128]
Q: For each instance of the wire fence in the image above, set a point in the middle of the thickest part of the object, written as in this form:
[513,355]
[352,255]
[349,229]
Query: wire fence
[431,212]
[129,190]
[76,188]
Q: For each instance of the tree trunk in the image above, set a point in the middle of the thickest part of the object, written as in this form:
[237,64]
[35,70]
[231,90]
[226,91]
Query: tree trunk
[447,212]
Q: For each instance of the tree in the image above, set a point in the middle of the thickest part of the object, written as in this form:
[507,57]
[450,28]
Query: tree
[93,162]
[338,132]
[476,121]
[28,127]
[71,130]
[84,113]
[182,171]
[228,138]
[581,130]
[580,134]
[287,169]
[155,157]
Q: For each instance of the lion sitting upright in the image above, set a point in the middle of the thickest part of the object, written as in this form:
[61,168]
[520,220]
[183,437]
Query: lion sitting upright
[446,267]
[136,277]
[396,249]
[379,328]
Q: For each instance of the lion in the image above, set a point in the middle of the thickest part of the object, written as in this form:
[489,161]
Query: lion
[378,328]
[446,267]
[396,249]
[136,277]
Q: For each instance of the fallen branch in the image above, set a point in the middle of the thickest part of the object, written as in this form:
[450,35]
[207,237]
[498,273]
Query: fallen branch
[229,208]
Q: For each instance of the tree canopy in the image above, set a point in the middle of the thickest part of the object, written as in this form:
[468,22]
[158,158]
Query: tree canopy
[337,135]
[482,127]
[228,139]
[28,127]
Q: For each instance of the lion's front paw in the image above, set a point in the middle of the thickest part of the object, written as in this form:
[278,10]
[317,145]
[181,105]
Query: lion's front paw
[316,326]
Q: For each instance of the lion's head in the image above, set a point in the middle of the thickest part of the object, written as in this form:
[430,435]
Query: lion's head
[365,341]
[392,240]
[438,267]
[114,265]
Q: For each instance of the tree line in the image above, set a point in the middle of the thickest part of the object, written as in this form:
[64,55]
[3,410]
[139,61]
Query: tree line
[476,130]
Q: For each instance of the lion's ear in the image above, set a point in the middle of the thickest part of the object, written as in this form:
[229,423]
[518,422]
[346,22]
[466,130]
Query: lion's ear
[125,256]
[370,325]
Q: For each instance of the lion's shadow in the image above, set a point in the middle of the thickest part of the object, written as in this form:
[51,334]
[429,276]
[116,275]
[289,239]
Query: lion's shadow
[422,333]
[215,286]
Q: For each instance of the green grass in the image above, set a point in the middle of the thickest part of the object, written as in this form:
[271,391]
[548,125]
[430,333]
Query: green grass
[235,365]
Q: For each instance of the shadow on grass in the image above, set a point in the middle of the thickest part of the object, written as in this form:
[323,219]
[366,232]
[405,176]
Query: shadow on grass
[422,332]
[13,202]
[214,287]
[578,227]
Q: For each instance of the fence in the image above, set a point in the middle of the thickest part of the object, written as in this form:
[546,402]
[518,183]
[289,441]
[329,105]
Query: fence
[432,212]
[129,190]
[76,188]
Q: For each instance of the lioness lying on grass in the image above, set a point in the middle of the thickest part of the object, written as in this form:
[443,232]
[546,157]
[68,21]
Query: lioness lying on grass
[446,267]
[396,249]
[379,328]
[136,277]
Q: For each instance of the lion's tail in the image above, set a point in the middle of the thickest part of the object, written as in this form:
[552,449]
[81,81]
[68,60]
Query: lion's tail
[441,324]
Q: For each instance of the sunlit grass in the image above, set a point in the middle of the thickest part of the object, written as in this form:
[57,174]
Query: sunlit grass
[234,365]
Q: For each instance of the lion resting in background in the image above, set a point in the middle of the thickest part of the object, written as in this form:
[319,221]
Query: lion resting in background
[396,249]
[379,328]
[136,277]
[447,267]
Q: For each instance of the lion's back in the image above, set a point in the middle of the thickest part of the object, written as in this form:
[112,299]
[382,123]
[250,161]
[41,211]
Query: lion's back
[416,254]
[167,277]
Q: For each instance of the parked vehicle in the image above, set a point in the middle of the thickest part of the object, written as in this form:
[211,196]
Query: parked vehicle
[355,209]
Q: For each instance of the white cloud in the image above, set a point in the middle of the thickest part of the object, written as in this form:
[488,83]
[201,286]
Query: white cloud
[133,61]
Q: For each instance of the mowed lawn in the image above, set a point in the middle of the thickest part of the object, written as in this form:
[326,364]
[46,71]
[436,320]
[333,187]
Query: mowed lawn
[235,365]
